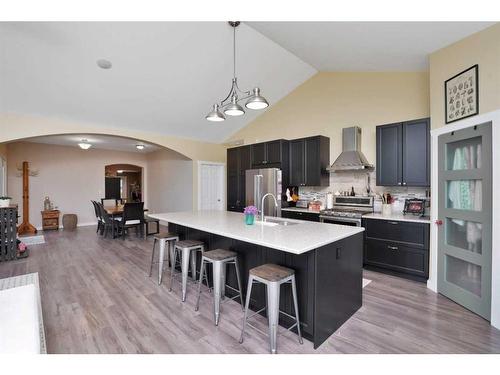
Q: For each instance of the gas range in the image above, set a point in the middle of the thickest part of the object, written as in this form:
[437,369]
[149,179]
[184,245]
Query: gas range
[347,210]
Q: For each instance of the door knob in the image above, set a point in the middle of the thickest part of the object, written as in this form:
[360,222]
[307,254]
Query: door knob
[439,222]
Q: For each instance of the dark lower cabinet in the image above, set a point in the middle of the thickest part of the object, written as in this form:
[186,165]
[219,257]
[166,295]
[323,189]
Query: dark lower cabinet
[298,215]
[328,279]
[397,247]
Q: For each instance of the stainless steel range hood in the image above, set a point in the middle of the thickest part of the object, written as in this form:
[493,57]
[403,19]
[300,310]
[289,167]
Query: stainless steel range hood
[351,158]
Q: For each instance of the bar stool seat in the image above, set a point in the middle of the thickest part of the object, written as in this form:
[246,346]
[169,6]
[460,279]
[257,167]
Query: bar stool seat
[166,238]
[272,276]
[219,254]
[271,272]
[219,258]
[186,247]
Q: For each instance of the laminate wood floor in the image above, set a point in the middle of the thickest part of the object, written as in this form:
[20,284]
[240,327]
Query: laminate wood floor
[97,298]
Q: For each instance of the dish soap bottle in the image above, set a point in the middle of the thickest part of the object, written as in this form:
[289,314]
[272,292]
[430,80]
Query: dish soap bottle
[352,191]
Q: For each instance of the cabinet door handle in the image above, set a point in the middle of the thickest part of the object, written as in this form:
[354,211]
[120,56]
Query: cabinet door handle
[339,253]
[393,222]
[392,247]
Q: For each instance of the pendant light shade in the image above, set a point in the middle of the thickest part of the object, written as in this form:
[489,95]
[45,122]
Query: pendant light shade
[215,115]
[233,108]
[230,102]
[256,101]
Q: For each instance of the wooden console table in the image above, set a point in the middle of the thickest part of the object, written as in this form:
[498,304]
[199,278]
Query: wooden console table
[50,219]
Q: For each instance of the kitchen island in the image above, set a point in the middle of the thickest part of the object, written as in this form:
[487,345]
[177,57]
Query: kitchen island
[327,259]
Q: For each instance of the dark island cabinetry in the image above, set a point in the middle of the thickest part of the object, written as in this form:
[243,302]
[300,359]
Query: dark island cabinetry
[329,279]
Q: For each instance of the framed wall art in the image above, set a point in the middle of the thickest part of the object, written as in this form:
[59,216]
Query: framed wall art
[461,94]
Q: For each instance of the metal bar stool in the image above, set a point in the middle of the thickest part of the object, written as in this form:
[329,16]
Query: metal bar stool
[164,239]
[272,276]
[186,247]
[219,259]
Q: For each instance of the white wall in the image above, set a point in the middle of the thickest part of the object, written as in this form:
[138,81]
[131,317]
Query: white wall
[170,182]
[494,117]
[71,177]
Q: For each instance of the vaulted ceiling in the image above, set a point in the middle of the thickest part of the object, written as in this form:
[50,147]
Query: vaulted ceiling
[166,75]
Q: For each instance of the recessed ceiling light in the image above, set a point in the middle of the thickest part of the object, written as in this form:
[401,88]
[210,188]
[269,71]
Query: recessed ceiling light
[140,147]
[84,144]
[104,64]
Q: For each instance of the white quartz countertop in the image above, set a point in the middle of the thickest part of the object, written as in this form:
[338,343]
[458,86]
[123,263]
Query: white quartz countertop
[399,217]
[295,239]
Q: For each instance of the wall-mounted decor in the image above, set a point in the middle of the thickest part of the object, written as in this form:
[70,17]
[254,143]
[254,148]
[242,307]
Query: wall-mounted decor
[461,94]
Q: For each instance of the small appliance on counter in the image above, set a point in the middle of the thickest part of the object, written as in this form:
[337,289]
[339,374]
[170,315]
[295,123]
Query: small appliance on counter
[315,205]
[302,203]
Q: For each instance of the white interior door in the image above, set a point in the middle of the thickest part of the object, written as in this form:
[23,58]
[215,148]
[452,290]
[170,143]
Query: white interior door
[211,186]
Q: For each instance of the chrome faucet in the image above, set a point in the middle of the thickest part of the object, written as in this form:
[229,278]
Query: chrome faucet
[262,205]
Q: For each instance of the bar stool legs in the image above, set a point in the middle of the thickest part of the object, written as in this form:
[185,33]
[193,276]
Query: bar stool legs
[219,259]
[166,243]
[272,276]
[188,250]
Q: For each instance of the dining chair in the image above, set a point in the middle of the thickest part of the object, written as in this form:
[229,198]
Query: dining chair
[98,216]
[108,221]
[133,216]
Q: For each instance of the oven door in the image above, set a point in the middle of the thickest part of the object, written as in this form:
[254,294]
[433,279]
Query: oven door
[353,222]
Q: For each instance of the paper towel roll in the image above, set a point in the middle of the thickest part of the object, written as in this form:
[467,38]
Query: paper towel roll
[329,201]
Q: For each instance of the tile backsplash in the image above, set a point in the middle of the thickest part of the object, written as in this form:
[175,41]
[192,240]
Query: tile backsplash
[344,181]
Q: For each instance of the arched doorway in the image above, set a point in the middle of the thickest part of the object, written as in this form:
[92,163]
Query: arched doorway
[124,182]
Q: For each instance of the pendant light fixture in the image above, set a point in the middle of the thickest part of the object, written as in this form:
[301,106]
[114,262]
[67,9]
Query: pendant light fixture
[229,105]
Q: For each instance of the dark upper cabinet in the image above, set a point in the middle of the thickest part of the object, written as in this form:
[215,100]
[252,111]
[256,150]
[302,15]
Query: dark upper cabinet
[389,155]
[297,162]
[416,153]
[238,161]
[267,153]
[309,158]
[403,154]
[258,154]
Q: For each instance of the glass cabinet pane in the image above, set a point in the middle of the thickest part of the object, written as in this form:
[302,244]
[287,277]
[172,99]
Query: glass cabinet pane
[464,195]
[464,154]
[463,274]
[464,234]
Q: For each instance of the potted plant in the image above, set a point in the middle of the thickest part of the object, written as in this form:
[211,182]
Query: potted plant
[250,212]
[5,201]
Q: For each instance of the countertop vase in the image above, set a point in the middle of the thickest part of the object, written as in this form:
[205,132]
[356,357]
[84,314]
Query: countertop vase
[249,219]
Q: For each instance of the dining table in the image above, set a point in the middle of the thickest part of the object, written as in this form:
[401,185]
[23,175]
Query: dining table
[116,210]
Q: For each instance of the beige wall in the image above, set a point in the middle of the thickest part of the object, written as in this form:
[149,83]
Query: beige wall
[69,176]
[170,181]
[329,101]
[482,48]
[16,127]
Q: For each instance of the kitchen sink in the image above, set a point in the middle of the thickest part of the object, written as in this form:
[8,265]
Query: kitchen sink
[273,222]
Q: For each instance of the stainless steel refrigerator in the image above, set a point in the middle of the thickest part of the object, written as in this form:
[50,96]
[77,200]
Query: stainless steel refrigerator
[259,182]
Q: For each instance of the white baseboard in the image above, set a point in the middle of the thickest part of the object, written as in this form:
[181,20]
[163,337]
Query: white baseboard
[78,225]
